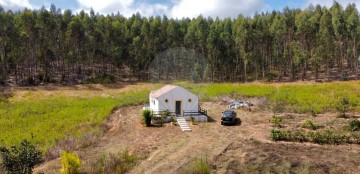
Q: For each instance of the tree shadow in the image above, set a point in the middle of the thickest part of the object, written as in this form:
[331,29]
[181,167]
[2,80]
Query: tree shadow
[156,126]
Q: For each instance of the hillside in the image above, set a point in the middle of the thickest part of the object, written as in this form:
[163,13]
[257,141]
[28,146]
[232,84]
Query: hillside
[99,122]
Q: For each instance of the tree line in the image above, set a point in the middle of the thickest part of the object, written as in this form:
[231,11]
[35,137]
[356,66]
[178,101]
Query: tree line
[42,46]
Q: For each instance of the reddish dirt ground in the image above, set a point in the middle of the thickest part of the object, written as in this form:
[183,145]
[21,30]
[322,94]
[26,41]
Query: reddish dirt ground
[242,148]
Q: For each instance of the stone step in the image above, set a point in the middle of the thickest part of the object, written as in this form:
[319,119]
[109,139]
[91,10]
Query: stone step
[183,124]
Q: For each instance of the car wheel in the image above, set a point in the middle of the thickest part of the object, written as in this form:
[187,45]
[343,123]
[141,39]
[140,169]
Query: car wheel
[222,123]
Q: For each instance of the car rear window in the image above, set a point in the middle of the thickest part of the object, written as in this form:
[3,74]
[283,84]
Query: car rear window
[227,114]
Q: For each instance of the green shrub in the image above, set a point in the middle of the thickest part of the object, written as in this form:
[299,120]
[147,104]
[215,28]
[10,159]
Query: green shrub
[323,137]
[163,115]
[308,124]
[20,159]
[199,166]
[354,125]
[173,119]
[342,106]
[331,137]
[166,113]
[128,160]
[276,120]
[276,135]
[146,117]
[298,136]
[279,135]
[70,163]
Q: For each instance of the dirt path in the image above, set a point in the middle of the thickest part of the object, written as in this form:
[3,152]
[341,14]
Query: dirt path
[244,148]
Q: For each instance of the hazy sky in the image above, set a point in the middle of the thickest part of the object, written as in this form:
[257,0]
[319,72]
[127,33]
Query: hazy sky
[171,8]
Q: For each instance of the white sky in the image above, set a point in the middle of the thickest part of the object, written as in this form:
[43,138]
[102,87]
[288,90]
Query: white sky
[172,8]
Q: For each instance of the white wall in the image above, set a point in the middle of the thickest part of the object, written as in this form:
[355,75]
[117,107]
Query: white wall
[153,107]
[176,94]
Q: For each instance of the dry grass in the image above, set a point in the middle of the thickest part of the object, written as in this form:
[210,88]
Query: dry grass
[244,148]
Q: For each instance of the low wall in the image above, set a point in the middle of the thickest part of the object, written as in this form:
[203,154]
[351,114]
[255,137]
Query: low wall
[200,118]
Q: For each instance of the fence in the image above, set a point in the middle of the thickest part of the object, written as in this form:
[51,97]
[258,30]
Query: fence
[160,113]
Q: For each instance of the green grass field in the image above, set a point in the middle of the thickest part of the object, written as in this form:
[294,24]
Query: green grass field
[52,115]
[300,98]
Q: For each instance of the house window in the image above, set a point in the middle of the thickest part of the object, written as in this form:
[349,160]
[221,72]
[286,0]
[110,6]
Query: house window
[153,102]
[166,100]
[189,100]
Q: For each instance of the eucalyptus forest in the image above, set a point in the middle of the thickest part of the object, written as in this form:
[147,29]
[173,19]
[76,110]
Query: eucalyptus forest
[55,46]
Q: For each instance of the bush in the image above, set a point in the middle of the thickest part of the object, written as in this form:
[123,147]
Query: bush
[173,119]
[323,137]
[276,120]
[277,135]
[20,159]
[199,166]
[146,117]
[309,125]
[343,106]
[354,125]
[70,163]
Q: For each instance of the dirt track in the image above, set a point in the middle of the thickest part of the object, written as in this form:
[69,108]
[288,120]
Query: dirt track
[244,148]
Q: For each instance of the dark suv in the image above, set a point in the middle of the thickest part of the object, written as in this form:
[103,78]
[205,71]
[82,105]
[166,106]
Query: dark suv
[228,117]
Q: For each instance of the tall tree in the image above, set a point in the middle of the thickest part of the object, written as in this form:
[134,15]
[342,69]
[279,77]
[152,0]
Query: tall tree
[278,30]
[352,29]
[325,35]
[338,26]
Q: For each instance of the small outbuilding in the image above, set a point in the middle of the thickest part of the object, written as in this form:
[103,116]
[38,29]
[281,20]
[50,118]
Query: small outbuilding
[178,101]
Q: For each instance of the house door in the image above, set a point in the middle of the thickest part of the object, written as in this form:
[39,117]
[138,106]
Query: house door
[178,107]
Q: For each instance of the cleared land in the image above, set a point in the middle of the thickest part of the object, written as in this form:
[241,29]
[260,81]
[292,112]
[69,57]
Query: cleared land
[52,114]
[244,148]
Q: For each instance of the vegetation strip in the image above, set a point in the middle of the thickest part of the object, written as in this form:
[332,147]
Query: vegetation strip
[319,137]
[52,117]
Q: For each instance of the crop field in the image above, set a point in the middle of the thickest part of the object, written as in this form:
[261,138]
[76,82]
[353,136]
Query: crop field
[48,114]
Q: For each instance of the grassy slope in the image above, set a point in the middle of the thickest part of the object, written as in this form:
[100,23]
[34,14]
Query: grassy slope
[54,115]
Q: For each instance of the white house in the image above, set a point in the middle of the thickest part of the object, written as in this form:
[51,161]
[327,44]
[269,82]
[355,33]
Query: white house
[178,101]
